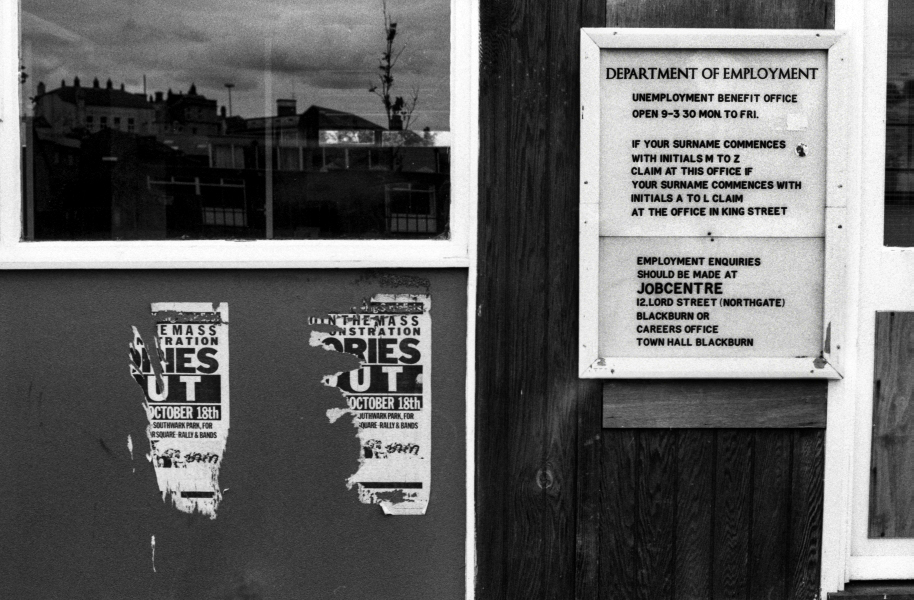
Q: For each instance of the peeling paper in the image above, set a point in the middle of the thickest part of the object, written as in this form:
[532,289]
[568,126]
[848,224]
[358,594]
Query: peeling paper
[388,396]
[187,401]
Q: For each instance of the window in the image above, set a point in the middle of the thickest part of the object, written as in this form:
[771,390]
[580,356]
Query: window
[899,138]
[306,133]
[411,208]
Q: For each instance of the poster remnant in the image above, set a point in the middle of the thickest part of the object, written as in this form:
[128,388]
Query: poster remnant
[186,387]
[388,396]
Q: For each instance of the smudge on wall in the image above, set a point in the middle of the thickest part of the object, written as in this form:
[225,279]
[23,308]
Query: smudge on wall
[186,394]
[388,396]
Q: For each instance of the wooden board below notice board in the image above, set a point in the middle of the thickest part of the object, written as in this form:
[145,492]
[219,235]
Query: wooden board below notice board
[714,404]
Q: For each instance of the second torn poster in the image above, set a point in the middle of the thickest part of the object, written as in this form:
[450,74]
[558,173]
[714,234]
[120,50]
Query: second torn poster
[388,396]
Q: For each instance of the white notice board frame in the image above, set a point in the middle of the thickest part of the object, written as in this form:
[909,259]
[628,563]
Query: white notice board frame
[825,365]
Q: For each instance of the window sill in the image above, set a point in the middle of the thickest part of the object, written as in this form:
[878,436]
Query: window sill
[223,254]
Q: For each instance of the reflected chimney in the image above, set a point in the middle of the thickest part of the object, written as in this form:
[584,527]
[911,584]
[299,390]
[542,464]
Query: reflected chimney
[286,107]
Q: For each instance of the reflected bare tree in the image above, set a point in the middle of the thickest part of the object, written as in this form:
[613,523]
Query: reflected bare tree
[400,111]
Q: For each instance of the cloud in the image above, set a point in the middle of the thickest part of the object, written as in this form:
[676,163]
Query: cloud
[322,52]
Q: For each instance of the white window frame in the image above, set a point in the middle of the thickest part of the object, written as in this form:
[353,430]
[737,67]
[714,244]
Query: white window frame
[458,251]
[452,252]
[847,552]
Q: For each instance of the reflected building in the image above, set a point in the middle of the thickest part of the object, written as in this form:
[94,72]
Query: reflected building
[73,109]
[899,163]
[103,163]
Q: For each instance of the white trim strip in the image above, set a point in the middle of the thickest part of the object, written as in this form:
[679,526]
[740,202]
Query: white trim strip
[259,254]
[10,163]
[880,567]
[465,43]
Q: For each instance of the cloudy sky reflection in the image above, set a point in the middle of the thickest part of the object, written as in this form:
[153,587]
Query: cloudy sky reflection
[323,53]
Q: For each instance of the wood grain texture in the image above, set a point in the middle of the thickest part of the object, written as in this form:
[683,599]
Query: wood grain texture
[770,529]
[656,519]
[493,415]
[563,509]
[891,477]
[804,552]
[528,394]
[589,494]
[732,514]
[566,395]
[714,404]
[776,14]
[711,514]
[695,514]
[618,564]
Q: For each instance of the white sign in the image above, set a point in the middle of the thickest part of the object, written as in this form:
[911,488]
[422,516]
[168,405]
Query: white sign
[733,147]
[705,191]
[726,297]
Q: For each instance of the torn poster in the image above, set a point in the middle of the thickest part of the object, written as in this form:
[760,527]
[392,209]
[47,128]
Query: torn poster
[388,396]
[186,388]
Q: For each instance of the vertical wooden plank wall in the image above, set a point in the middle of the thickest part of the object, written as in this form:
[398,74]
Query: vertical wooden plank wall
[530,401]
[710,513]
[565,509]
[891,475]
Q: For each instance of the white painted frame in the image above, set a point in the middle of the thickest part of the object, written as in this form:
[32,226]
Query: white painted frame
[459,251]
[847,553]
[593,42]
[177,254]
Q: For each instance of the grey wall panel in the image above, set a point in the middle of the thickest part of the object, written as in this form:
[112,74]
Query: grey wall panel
[77,513]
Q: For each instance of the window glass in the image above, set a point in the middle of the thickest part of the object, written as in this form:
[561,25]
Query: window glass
[899,139]
[163,119]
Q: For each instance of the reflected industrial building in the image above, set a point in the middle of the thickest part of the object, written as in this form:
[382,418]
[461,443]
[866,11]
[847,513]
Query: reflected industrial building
[103,163]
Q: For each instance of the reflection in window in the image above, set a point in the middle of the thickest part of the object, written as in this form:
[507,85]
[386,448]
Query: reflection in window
[303,119]
[899,142]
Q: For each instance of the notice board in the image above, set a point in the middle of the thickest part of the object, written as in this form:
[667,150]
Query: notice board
[712,203]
